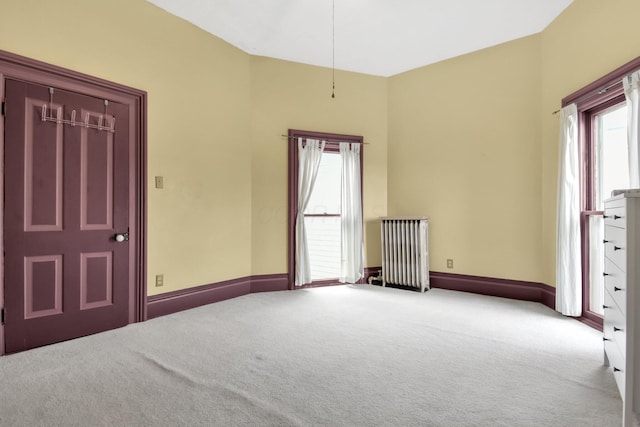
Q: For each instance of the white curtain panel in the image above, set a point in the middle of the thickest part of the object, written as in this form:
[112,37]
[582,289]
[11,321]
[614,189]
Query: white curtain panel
[632,93]
[568,255]
[352,257]
[309,157]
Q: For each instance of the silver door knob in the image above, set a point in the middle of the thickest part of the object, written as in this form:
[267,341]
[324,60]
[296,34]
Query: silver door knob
[122,237]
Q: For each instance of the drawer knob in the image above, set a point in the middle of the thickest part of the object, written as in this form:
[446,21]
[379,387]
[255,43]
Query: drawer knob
[605,274]
[616,248]
[605,306]
[616,289]
[605,241]
[614,217]
[616,369]
[605,339]
[616,329]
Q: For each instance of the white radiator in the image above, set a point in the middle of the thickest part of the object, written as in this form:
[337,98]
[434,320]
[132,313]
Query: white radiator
[405,251]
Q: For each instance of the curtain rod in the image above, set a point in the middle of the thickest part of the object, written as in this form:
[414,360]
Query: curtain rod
[590,95]
[600,91]
[324,139]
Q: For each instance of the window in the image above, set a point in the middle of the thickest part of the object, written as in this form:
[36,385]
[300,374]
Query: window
[322,219]
[322,215]
[611,154]
[607,169]
[602,121]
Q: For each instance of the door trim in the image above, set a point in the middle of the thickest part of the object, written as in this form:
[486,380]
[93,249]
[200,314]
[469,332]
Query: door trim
[29,70]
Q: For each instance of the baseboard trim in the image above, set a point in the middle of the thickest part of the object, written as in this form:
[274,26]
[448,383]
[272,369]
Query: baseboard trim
[370,271]
[184,299]
[269,283]
[505,288]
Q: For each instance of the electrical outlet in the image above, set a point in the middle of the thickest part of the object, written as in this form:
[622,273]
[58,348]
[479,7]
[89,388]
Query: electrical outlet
[449,263]
[159,182]
[159,280]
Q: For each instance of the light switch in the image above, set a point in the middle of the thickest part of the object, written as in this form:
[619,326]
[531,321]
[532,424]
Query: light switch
[159,182]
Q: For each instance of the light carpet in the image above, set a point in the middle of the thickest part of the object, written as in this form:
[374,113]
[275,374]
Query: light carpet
[355,355]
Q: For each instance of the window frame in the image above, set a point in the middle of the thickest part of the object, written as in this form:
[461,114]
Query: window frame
[591,100]
[332,141]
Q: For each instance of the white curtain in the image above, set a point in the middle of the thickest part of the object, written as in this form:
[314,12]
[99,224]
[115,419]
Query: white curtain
[632,92]
[568,254]
[308,162]
[352,258]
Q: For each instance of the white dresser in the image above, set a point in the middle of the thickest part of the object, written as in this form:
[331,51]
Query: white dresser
[622,298]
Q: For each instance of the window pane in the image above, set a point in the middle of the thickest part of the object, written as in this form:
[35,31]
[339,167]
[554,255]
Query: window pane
[323,238]
[596,264]
[326,191]
[612,158]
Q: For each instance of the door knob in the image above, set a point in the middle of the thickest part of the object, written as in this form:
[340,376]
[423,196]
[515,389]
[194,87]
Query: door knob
[121,237]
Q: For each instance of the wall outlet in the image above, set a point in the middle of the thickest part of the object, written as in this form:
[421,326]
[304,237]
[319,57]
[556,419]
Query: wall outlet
[159,280]
[159,182]
[449,263]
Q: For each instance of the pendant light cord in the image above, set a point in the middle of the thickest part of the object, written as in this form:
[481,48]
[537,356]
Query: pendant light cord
[333,49]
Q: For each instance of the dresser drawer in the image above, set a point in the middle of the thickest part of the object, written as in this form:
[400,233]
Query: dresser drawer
[615,246]
[615,216]
[615,282]
[616,365]
[614,327]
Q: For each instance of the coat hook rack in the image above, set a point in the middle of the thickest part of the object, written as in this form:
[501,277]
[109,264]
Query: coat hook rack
[108,125]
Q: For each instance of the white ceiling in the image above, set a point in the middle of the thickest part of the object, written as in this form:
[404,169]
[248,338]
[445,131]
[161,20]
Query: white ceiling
[379,37]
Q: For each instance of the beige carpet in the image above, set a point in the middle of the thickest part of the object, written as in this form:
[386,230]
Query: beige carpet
[339,356]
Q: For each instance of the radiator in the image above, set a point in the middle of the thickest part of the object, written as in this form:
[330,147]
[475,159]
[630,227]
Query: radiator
[405,251]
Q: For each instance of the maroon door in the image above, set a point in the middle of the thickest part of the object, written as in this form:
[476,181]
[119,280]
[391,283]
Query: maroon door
[66,197]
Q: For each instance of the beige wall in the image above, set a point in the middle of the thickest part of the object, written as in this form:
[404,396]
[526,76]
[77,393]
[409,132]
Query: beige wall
[198,88]
[214,126]
[473,143]
[464,149]
[287,95]
[590,39]
[469,141]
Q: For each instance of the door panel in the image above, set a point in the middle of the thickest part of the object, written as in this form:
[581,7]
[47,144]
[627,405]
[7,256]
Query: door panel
[67,194]
[43,172]
[43,286]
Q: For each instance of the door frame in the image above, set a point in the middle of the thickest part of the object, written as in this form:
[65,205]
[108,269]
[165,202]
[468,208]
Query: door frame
[16,67]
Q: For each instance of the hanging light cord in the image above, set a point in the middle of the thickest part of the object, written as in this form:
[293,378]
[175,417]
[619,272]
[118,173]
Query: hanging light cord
[333,49]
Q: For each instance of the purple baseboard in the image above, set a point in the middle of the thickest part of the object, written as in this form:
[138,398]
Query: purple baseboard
[171,302]
[184,299]
[370,271]
[269,283]
[513,289]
